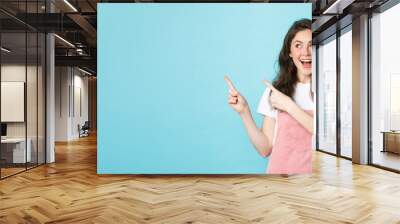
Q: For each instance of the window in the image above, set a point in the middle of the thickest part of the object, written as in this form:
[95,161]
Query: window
[327,95]
[346,92]
[385,89]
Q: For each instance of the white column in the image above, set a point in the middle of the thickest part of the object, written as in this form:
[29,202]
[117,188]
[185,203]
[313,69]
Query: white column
[50,92]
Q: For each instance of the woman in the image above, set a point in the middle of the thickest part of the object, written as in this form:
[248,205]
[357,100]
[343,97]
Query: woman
[287,106]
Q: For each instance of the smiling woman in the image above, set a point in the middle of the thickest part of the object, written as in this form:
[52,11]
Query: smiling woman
[287,106]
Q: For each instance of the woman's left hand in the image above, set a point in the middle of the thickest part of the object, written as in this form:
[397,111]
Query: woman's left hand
[279,100]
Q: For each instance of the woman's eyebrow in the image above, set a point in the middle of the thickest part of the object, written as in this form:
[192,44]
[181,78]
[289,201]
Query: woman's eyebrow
[299,41]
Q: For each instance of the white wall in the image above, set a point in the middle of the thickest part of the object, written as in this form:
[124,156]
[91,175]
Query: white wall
[80,84]
[12,73]
[62,81]
[70,84]
[33,127]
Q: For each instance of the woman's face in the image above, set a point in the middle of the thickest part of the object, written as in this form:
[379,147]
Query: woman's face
[300,52]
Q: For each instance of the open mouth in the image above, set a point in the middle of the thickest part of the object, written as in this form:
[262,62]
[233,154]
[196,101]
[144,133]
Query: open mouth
[306,63]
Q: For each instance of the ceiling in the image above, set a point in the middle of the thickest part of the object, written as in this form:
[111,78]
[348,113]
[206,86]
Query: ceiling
[76,22]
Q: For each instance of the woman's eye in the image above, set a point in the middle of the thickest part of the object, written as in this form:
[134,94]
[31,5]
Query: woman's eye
[298,45]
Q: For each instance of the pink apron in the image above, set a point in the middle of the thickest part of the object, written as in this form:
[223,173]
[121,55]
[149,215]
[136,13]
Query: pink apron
[291,153]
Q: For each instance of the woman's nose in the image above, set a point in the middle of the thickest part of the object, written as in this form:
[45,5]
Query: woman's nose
[306,51]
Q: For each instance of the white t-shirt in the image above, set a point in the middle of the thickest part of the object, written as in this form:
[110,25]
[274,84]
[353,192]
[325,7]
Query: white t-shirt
[301,97]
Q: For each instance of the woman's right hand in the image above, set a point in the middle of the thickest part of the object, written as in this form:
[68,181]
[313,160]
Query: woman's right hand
[235,100]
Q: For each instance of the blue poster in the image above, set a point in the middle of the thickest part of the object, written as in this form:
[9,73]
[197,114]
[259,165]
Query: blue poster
[162,98]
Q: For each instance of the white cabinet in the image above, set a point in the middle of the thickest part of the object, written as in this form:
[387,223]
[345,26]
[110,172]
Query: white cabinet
[18,149]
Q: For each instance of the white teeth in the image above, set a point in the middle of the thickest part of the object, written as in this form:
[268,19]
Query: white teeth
[306,60]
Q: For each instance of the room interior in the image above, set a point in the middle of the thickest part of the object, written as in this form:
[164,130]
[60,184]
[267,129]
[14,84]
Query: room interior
[49,91]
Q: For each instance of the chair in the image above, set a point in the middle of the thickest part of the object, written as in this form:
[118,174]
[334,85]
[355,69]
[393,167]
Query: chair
[84,130]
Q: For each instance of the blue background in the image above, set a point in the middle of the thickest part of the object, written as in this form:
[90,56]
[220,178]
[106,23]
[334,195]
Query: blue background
[162,99]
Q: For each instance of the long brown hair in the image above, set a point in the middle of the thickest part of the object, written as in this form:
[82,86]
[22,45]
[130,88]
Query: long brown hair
[287,74]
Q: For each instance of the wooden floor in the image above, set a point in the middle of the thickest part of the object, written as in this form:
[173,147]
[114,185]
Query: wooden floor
[70,191]
[9,171]
[5,172]
[387,159]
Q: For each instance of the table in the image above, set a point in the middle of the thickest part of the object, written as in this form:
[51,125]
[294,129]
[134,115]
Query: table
[391,141]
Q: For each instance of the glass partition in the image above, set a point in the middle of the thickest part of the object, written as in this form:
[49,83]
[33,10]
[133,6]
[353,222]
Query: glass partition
[13,108]
[22,77]
[32,95]
[327,95]
[41,85]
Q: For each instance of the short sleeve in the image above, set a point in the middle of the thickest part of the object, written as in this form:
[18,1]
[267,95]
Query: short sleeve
[264,107]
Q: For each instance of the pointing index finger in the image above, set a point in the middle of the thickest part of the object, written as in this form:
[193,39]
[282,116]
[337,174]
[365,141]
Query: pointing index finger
[229,82]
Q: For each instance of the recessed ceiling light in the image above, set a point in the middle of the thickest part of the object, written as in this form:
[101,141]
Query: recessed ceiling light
[84,71]
[70,5]
[64,40]
[5,50]
[337,7]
